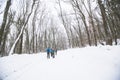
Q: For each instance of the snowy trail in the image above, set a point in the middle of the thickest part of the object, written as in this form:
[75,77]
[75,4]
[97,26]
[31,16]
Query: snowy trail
[96,63]
[12,70]
[52,69]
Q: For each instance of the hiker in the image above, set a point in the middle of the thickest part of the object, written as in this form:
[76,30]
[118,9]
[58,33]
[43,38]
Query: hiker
[52,53]
[48,52]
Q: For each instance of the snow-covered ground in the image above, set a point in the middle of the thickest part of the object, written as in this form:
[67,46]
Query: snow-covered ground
[89,63]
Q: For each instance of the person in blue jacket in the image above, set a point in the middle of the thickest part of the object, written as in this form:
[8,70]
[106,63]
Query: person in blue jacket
[48,52]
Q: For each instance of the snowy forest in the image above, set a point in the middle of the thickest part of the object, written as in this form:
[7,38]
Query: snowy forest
[59,39]
[30,26]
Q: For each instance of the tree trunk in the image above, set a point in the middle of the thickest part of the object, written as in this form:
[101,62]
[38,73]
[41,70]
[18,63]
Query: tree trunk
[107,35]
[83,19]
[21,43]
[4,22]
[36,44]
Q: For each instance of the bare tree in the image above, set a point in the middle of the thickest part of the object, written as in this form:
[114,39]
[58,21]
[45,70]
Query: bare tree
[11,16]
[22,29]
[64,22]
[2,27]
[113,18]
[77,5]
[106,29]
[27,41]
[78,30]
[90,13]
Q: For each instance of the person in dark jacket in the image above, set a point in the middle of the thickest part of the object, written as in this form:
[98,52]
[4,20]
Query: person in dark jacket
[52,53]
[48,52]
